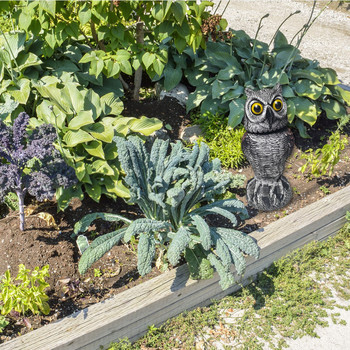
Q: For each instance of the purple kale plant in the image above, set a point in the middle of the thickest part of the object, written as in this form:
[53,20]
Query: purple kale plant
[30,163]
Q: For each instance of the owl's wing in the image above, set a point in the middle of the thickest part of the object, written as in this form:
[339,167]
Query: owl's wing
[290,142]
[246,146]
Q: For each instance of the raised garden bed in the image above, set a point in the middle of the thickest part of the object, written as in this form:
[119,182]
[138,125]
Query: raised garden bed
[130,313]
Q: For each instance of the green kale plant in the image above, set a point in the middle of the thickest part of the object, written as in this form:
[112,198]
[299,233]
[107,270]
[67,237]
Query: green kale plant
[175,188]
[28,294]
[30,163]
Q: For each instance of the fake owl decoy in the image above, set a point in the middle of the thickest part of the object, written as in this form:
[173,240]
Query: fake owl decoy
[267,144]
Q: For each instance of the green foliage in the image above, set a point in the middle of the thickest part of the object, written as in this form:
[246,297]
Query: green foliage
[322,161]
[115,44]
[86,124]
[29,294]
[11,201]
[3,323]
[175,187]
[221,72]
[224,142]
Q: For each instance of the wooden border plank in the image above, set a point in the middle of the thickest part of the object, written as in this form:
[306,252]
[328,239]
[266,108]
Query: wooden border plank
[152,302]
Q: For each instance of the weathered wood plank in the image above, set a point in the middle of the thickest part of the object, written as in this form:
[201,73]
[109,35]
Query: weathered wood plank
[131,312]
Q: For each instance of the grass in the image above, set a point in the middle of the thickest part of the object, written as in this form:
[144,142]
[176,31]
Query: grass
[288,300]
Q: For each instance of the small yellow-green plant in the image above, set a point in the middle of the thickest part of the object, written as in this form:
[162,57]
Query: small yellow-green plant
[27,295]
[223,141]
[323,160]
[3,323]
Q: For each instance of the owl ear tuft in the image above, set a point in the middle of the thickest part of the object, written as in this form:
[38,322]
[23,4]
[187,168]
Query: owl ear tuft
[248,91]
[278,88]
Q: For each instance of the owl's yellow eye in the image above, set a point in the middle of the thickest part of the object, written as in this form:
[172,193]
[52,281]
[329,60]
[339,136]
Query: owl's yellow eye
[277,104]
[257,108]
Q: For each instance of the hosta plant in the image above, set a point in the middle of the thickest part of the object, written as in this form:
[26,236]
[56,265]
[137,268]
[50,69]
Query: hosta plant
[175,188]
[30,163]
[86,124]
[27,294]
[223,69]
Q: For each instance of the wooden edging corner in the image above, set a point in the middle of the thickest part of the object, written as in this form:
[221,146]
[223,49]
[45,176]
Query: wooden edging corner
[128,314]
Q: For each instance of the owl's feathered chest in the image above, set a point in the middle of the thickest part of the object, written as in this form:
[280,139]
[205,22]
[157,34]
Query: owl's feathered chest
[267,153]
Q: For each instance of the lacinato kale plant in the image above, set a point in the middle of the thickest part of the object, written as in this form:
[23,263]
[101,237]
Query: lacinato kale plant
[176,188]
[31,164]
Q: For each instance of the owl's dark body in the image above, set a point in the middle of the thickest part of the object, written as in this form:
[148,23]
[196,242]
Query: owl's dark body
[267,144]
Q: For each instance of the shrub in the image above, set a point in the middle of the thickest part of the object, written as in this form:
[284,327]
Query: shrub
[28,295]
[221,71]
[175,189]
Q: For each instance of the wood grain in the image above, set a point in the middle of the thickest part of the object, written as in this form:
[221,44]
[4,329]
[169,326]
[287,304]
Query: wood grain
[129,313]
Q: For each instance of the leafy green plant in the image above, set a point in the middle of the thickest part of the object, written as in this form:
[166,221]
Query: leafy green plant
[175,189]
[3,323]
[222,70]
[322,161]
[325,190]
[26,295]
[86,125]
[223,141]
[11,201]
[123,37]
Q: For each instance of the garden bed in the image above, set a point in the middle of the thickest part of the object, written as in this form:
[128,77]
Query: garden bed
[43,243]
[132,311]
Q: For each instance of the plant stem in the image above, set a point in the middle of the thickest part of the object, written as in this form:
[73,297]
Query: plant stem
[138,73]
[20,196]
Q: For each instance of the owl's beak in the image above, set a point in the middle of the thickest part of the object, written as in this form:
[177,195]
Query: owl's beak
[269,116]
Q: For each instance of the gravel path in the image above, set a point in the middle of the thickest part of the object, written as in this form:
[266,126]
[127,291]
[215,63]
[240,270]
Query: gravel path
[327,41]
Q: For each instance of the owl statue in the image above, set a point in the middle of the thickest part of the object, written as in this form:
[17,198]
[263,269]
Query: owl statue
[267,144]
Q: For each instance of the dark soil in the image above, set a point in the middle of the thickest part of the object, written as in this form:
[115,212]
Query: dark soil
[42,244]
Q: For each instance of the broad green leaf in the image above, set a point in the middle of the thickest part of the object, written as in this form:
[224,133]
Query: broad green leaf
[301,128]
[73,97]
[95,149]
[236,112]
[101,167]
[80,170]
[64,196]
[73,138]
[195,98]
[117,187]
[26,60]
[113,102]
[13,44]
[112,68]
[219,88]
[308,88]
[48,6]
[146,250]
[273,76]
[345,94]
[280,40]
[83,118]
[20,92]
[84,14]
[94,190]
[333,109]
[172,77]
[144,125]
[228,73]
[179,9]
[25,19]
[305,110]
[100,131]
[311,74]
[290,110]
[329,76]
[233,94]
[287,91]
[158,66]
[8,107]
[148,58]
